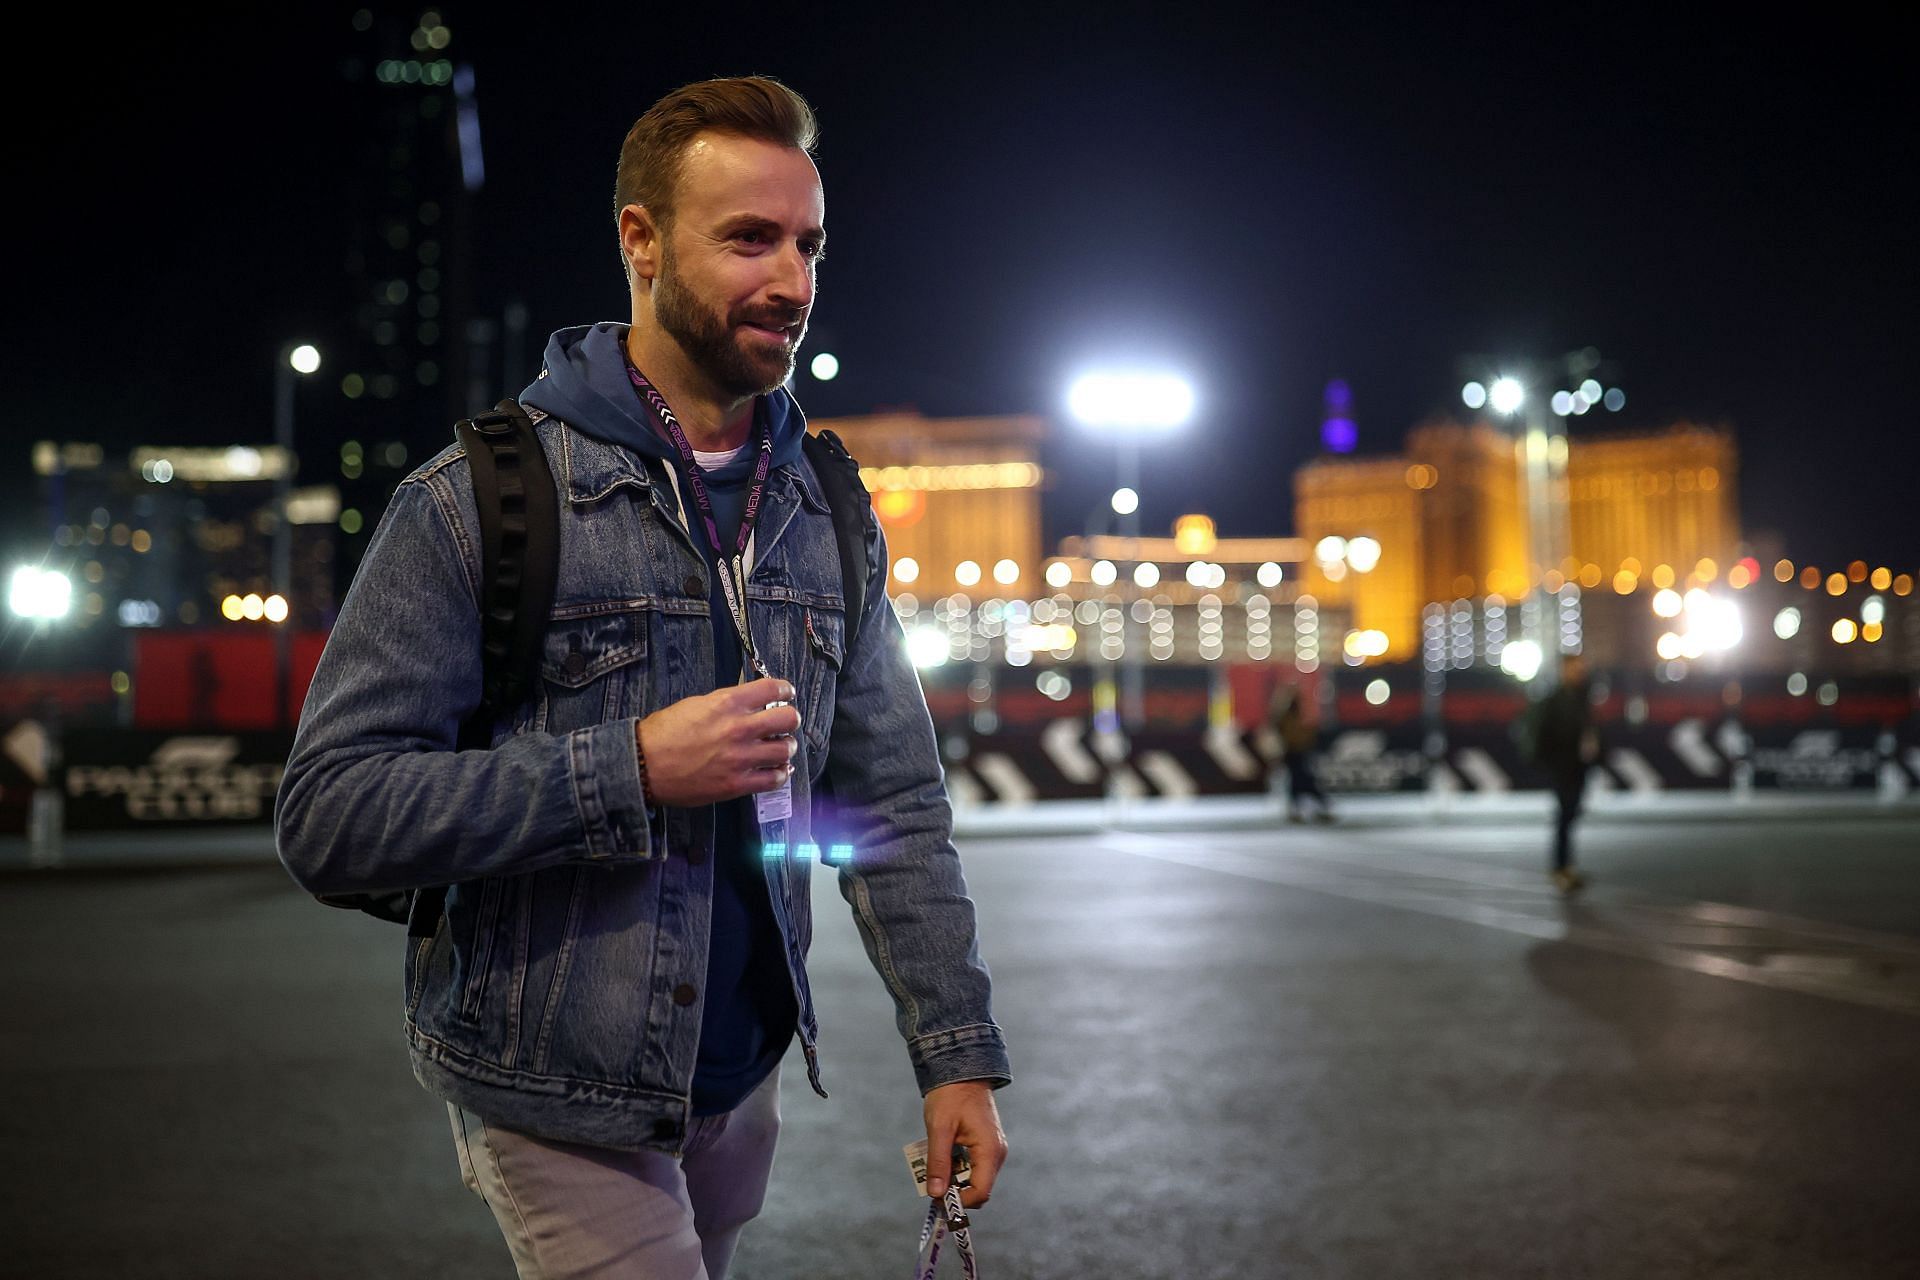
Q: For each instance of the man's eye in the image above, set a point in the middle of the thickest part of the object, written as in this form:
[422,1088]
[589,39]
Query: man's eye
[812,249]
[751,237]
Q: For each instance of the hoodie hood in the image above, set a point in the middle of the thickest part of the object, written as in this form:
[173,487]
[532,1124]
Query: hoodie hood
[583,382]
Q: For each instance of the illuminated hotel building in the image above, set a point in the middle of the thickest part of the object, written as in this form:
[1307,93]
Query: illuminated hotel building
[1665,499]
[1450,518]
[953,492]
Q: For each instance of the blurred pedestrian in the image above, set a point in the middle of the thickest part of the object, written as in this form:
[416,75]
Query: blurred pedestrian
[1565,743]
[1299,746]
[613,965]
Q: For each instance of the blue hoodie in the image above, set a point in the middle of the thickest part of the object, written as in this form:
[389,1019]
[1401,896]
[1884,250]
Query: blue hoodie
[750,1011]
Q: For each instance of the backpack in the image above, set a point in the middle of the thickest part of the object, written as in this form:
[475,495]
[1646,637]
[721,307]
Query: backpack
[519,564]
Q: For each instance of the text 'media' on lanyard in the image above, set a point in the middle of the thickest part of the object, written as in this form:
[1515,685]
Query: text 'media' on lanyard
[771,805]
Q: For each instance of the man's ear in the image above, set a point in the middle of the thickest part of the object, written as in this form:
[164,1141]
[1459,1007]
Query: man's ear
[641,242]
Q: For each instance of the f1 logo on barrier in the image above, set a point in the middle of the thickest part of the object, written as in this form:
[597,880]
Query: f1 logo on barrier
[184,778]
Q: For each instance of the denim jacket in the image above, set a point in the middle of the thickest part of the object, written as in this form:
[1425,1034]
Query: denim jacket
[560,993]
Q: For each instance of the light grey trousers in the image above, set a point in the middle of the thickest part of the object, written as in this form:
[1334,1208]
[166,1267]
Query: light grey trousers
[574,1212]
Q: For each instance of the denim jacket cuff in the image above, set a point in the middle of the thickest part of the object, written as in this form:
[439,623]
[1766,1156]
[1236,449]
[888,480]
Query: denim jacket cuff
[605,767]
[977,1052]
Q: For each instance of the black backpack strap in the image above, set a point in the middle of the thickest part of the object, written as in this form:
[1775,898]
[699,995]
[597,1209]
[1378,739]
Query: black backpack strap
[519,565]
[519,558]
[853,519]
[514,493]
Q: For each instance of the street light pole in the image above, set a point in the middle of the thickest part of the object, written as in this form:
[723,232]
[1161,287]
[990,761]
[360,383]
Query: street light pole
[301,359]
[1125,406]
[1133,708]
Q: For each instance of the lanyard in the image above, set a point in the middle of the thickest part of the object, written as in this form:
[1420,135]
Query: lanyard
[944,1218]
[733,571]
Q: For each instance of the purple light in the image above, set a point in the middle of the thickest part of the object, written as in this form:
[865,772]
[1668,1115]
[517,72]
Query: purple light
[1339,435]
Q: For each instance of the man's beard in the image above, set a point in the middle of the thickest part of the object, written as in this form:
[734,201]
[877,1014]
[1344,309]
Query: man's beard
[710,341]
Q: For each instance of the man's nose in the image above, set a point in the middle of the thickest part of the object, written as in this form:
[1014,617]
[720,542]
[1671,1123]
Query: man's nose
[793,278]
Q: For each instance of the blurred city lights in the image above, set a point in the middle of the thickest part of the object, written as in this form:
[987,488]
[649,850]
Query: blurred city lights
[1474,395]
[1268,574]
[906,569]
[928,647]
[1006,572]
[1666,602]
[1146,575]
[1786,623]
[45,594]
[1844,631]
[1103,573]
[1521,660]
[1783,571]
[304,358]
[1615,399]
[1506,395]
[966,573]
[1330,549]
[1562,403]
[1131,401]
[230,609]
[252,607]
[1718,624]
[825,366]
[1363,554]
[1377,692]
[1797,684]
[1059,574]
[1125,501]
[1365,644]
[275,608]
[1667,646]
[1836,584]
[1874,611]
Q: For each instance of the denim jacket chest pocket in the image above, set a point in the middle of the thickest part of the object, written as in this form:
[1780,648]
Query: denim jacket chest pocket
[592,670]
[823,632]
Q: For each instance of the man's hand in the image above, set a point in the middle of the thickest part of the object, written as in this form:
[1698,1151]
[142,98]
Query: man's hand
[721,745]
[964,1113]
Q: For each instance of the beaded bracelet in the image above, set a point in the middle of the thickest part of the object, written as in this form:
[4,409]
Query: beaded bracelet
[640,758]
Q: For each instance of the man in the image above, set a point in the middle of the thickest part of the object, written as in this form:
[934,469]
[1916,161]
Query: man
[1566,744]
[620,963]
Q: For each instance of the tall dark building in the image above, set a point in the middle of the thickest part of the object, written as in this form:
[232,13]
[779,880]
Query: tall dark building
[403,370]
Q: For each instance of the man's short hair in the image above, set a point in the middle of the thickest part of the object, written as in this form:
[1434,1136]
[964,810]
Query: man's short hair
[654,153]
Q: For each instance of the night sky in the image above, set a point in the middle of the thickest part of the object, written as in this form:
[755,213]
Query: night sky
[1267,201]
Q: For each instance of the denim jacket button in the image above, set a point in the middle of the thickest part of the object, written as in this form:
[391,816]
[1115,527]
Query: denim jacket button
[683,994]
[693,585]
[576,663]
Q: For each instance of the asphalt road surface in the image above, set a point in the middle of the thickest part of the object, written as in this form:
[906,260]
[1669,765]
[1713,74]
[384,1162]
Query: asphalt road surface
[1374,1051]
